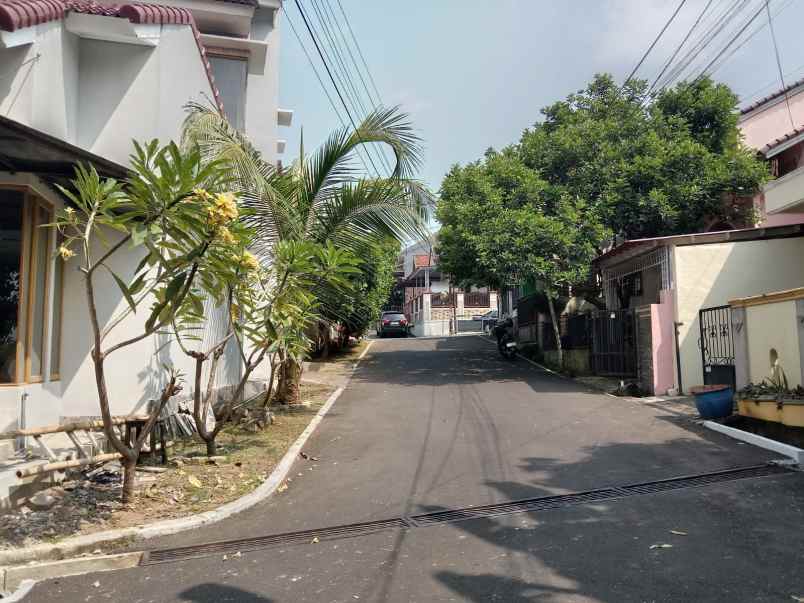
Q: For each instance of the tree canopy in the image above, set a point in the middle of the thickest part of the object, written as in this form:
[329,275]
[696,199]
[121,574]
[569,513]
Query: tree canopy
[602,162]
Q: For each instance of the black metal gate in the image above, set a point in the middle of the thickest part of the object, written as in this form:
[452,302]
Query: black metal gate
[717,346]
[614,349]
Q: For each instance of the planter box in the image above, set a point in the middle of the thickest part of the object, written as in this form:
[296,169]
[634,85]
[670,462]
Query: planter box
[789,412]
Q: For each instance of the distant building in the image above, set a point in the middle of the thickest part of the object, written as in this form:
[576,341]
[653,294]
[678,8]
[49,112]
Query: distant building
[431,301]
[766,126]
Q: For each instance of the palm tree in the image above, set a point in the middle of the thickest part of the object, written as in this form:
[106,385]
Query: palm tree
[322,198]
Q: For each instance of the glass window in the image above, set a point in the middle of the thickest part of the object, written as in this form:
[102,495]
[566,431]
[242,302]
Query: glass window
[12,204]
[27,285]
[38,292]
[230,75]
[55,336]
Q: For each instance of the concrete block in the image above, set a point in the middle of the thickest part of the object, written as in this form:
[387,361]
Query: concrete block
[13,576]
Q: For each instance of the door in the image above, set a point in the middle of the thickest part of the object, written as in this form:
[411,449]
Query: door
[717,346]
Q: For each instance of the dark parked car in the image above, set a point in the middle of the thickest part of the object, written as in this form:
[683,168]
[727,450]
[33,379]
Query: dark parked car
[393,323]
[487,320]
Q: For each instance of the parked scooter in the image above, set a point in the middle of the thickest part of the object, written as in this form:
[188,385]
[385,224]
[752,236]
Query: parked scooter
[506,345]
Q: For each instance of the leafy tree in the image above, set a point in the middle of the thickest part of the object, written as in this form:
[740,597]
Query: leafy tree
[178,235]
[647,169]
[496,230]
[322,198]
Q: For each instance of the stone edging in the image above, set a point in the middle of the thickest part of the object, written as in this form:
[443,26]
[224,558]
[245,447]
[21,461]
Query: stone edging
[90,542]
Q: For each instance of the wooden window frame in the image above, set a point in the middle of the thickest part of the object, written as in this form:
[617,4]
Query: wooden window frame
[32,202]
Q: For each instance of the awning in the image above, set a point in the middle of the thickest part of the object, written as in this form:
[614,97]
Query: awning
[24,149]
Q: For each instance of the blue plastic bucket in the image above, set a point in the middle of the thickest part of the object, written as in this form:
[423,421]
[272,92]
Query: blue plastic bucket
[715,404]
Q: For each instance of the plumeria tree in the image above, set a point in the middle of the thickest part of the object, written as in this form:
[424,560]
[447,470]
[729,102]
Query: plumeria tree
[175,216]
[269,309]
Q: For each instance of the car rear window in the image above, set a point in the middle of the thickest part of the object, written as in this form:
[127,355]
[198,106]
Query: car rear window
[393,316]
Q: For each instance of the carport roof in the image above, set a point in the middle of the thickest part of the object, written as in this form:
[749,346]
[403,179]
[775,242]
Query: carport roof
[25,149]
[636,246]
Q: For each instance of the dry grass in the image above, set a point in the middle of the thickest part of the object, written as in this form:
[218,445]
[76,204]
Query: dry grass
[184,489]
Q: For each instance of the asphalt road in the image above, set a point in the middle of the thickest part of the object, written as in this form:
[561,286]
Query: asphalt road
[434,424]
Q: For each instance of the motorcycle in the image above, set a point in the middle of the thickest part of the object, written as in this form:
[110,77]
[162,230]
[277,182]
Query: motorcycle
[506,345]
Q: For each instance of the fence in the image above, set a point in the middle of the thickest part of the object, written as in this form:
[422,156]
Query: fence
[441,300]
[575,333]
[476,299]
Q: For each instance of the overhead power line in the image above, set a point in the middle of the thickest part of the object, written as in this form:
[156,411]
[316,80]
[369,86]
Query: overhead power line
[779,64]
[372,102]
[318,77]
[747,39]
[331,77]
[360,52]
[681,45]
[730,42]
[713,30]
[658,37]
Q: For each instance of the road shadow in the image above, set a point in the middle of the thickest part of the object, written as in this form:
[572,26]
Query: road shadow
[473,360]
[737,541]
[220,593]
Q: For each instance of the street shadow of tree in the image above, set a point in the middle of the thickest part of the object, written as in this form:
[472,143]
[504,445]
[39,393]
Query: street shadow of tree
[472,361]
[211,592]
[602,551]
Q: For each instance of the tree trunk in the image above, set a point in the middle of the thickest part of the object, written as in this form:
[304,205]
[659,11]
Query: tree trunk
[556,332]
[289,382]
[212,447]
[129,473]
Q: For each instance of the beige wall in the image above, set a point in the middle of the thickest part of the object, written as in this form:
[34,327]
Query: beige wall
[711,275]
[773,326]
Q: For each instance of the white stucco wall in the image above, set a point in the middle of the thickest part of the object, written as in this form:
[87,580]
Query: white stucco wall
[101,95]
[135,374]
[773,326]
[262,88]
[711,275]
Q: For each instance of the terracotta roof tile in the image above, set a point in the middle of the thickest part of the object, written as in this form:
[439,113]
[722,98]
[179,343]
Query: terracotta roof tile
[770,97]
[18,14]
[775,143]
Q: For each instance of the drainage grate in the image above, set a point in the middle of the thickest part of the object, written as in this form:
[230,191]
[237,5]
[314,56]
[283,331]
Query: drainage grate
[455,515]
[261,542]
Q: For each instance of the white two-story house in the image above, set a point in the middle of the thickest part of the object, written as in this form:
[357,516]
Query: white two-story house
[79,80]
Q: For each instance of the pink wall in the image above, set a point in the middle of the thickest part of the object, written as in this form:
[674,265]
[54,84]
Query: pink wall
[663,343]
[766,124]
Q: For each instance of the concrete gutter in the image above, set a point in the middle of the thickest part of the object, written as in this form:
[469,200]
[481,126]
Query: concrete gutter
[72,547]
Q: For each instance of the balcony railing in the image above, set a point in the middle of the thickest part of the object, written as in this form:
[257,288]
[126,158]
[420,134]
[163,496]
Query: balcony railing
[785,194]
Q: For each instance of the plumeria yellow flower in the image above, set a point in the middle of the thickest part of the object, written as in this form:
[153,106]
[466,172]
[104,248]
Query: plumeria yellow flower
[249,262]
[222,209]
[201,195]
[65,252]
[69,211]
[226,236]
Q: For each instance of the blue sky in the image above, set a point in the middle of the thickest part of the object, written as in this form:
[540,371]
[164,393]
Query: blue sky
[474,74]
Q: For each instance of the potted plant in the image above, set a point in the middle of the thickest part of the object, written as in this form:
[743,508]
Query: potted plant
[714,401]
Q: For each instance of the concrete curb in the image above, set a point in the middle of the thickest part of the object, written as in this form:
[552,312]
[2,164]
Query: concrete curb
[22,578]
[90,542]
[795,454]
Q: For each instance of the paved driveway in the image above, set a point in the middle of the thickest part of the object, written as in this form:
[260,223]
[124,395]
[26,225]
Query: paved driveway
[436,424]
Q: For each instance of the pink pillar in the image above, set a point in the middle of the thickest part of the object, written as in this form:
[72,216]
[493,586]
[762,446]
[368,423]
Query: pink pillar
[663,343]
